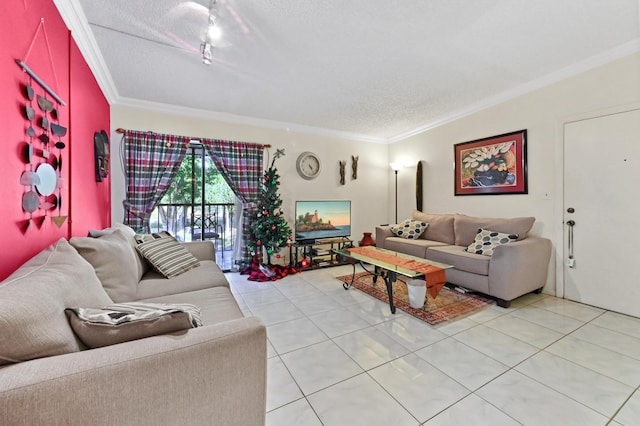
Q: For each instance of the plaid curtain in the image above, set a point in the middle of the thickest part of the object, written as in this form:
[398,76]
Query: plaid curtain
[151,161]
[240,163]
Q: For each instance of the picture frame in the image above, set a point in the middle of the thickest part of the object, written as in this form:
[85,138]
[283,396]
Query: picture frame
[492,166]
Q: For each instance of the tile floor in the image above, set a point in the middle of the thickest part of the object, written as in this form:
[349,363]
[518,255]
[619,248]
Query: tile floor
[339,357]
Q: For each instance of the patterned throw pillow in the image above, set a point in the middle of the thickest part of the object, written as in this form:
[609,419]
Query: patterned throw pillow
[409,229]
[123,322]
[167,256]
[486,241]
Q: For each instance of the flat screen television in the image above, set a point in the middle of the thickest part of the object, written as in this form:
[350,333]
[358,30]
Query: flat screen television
[322,219]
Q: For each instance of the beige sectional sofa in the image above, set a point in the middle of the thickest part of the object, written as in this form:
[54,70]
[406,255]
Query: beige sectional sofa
[514,269]
[209,375]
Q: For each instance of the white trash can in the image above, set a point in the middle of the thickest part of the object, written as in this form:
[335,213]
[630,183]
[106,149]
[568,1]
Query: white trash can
[417,290]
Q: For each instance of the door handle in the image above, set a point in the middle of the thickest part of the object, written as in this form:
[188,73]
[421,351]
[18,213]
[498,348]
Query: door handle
[570,260]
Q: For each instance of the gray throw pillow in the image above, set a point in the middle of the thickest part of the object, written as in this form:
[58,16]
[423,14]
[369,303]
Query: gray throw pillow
[33,300]
[167,256]
[114,260]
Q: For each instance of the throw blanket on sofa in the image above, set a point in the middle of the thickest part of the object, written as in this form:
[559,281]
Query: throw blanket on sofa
[434,276]
[121,313]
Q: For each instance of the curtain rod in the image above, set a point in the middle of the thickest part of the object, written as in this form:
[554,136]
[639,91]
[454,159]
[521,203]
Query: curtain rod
[122,131]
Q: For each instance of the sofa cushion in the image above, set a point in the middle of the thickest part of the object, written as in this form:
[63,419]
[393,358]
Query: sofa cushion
[33,300]
[460,259]
[466,227]
[167,256]
[208,274]
[486,241]
[114,260]
[123,322]
[409,229]
[411,247]
[440,226]
[216,304]
[143,266]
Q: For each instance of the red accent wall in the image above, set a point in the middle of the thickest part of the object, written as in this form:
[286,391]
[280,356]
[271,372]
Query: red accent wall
[88,206]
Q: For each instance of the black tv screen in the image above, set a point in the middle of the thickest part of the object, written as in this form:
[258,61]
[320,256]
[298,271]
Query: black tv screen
[322,219]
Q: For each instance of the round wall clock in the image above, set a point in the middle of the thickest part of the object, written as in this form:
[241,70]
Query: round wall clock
[308,165]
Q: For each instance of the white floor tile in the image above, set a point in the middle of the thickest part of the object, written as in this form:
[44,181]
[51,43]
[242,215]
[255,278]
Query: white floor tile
[291,335]
[568,308]
[297,288]
[410,332]
[532,403]
[338,322]
[359,401]
[472,411]
[618,322]
[467,366]
[604,361]
[298,413]
[418,386]
[281,388]
[548,319]
[264,296]
[370,347]
[497,345]
[525,331]
[629,415]
[373,311]
[314,305]
[592,389]
[319,366]
[277,312]
[455,327]
[609,339]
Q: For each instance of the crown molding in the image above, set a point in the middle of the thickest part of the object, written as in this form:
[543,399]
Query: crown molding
[75,19]
[595,61]
[243,120]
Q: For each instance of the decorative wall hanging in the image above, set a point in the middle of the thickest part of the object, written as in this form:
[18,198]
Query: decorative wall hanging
[101,153]
[419,193]
[343,165]
[493,165]
[43,174]
[354,167]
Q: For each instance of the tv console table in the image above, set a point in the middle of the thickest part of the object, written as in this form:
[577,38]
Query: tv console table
[320,253]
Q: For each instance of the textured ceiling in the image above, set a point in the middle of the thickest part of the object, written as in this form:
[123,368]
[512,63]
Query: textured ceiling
[377,69]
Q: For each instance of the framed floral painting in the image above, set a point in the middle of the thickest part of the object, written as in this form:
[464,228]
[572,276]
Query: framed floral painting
[490,166]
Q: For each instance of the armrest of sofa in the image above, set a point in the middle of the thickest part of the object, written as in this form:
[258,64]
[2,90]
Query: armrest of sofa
[202,250]
[209,375]
[520,267]
[382,233]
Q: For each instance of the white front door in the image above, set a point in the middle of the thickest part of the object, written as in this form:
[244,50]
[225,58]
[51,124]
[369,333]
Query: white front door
[602,198]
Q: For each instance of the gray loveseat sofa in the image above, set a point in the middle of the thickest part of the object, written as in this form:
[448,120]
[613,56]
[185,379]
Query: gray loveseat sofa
[209,375]
[513,269]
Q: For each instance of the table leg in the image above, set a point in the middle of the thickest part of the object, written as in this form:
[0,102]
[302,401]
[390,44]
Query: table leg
[353,277]
[389,279]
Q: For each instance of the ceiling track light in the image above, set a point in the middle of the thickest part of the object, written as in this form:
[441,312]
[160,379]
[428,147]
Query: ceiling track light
[207,53]
[213,33]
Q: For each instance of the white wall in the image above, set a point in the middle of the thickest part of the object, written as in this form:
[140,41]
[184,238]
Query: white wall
[368,194]
[543,113]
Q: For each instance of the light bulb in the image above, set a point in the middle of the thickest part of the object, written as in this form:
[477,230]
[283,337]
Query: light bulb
[214,32]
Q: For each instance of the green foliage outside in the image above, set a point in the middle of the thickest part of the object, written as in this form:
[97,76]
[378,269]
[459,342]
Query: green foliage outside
[186,190]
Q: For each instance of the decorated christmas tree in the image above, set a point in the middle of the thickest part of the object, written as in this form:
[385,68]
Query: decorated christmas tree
[268,230]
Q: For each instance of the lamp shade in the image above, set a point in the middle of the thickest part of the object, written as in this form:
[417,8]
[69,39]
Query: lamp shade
[395,166]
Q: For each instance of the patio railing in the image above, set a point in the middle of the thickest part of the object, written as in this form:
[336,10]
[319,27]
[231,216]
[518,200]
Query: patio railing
[189,222]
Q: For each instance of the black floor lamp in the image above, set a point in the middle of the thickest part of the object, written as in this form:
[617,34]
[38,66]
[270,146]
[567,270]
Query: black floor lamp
[395,167]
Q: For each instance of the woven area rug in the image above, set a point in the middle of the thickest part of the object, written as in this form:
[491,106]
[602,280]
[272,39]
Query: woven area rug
[450,305]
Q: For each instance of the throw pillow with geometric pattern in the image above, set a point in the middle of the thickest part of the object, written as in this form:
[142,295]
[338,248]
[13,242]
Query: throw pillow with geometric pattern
[486,241]
[409,229]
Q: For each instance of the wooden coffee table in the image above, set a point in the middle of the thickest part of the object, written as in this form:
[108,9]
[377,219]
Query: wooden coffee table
[388,264]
